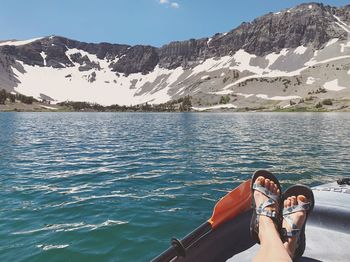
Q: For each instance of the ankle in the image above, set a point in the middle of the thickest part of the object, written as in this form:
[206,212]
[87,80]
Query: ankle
[266,228]
[290,250]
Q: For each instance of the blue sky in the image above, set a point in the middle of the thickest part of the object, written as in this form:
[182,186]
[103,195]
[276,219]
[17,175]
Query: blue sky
[153,22]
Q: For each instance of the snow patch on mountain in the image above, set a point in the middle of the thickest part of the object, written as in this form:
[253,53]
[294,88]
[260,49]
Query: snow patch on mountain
[106,88]
[212,64]
[344,46]
[43,55]
[300,50]
[93,58]
[332,41]
[222,106]
[222,92]
[279,98]
[71,84]
[314,61]
[19,43]
[310,80]
[272,58]
[244,95]
[333,86]
[48,107]
[209,40]
[341,24]
[243,59]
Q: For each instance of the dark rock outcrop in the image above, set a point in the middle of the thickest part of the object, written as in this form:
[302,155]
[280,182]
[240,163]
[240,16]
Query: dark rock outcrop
[7,77]
[182,53]
[137,59]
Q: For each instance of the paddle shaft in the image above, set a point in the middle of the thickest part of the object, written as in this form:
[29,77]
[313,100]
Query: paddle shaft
[188,240]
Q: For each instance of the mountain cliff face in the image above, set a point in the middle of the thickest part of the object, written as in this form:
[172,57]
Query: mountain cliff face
[308,24]
[299,41]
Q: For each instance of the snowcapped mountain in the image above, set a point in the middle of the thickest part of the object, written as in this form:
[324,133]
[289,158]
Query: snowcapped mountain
[298,54]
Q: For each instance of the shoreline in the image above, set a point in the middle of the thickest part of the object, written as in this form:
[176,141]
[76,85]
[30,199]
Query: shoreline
[10,102]
[41,108]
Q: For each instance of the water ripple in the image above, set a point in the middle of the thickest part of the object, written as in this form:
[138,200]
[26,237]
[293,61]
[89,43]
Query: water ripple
[71,227]
[65,175]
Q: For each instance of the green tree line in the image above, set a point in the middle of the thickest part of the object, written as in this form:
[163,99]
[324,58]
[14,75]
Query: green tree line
[182,104]
[4,96]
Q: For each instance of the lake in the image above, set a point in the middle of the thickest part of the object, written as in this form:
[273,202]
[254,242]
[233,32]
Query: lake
[118,186]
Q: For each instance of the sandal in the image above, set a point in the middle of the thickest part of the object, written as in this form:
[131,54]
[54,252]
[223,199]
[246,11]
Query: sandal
[261,209]
[299,233]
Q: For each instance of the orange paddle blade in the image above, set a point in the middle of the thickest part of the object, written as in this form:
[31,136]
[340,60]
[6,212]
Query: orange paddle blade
[232,204]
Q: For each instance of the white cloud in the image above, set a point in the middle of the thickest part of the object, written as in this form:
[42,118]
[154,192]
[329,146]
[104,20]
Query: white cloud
[174,4]
[168,3]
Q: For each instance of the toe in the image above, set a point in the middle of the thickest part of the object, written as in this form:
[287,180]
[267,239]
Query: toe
[285,203]
[267,183]
[260,180]
[288,202]
[294,201]
[272,187]
[301,198]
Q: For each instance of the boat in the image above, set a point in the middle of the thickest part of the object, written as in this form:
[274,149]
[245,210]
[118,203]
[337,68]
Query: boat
[327,233]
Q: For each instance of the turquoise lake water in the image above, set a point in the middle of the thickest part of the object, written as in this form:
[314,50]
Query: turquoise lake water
[118,186]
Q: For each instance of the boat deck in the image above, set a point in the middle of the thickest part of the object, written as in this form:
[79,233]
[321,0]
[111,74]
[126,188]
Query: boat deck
[328,228]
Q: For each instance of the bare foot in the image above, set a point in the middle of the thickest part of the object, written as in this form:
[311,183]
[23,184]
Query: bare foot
[261,198]
[298,219]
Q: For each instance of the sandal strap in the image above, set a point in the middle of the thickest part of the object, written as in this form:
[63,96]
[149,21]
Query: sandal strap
[294,231]
[261,209]
[300,207]
[289,234]
[268,213]
[266,192]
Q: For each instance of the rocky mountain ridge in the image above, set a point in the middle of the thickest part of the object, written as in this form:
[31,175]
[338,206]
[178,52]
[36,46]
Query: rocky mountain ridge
[306,25]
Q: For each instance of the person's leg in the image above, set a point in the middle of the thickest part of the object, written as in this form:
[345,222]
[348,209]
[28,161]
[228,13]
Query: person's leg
[298,219]
[271,247]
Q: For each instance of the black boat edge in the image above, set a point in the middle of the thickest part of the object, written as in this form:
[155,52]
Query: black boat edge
[331,212]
